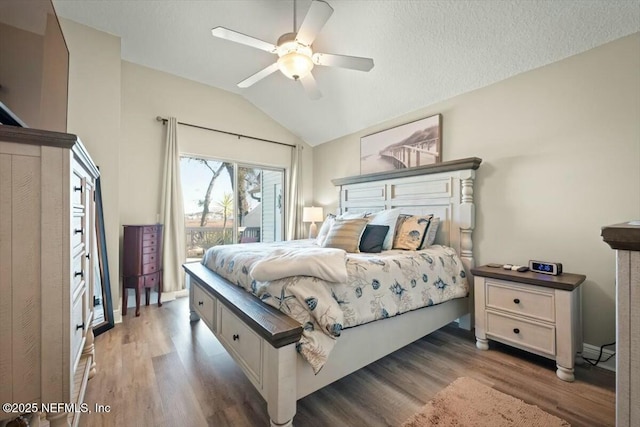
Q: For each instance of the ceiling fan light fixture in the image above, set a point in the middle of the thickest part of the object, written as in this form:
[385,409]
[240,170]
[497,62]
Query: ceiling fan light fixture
[295,65]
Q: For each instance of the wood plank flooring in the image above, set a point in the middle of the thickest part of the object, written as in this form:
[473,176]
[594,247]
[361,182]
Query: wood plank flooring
[161,370]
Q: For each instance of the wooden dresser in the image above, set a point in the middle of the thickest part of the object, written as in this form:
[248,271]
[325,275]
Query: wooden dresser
[625,239]
[141,262]
[536,312]
[47,230]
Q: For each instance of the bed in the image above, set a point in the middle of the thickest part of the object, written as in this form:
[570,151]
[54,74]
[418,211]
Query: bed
[263,340]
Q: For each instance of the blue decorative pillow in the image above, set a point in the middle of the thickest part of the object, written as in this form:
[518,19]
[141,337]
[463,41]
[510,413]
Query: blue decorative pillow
[373,238]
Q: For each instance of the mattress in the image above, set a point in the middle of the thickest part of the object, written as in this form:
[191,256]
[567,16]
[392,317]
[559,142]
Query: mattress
[378,286]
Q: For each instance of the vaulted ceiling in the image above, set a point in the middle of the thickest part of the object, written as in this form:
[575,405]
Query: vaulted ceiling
[424,51]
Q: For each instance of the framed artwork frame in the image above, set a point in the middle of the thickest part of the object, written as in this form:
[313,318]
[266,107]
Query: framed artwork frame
[409,145]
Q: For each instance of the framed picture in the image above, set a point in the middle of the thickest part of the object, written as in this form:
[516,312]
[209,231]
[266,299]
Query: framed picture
[409,145]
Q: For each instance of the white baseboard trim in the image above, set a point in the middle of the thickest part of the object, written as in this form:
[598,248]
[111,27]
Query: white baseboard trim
[117,316]
[592,352]
[171,296]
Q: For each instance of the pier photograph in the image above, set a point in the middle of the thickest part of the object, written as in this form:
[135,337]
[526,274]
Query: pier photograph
[409,145]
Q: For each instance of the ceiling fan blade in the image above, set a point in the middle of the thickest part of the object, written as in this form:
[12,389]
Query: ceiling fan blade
[318,14]
[343,61]
[234,36]
[259,75]
[310,86]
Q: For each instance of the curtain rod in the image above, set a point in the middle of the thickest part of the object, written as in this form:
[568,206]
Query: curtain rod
[164,120]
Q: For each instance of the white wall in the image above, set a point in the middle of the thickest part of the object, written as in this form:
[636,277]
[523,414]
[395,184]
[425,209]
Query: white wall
[561,158]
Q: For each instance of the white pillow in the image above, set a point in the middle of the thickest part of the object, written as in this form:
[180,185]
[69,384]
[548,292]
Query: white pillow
[430,235]
[352,215]
[324,230]
[387,217]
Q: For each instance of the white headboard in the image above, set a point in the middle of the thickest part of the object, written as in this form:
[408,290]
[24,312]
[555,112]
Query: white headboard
[444,189]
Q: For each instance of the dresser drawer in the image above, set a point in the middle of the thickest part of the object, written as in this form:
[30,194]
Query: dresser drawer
[76,189]
[205,306]
[149,258]
[243,342]
[151,280]
[149,242]
[77,325]
[77,231]
[150,236]
[521,300]
[149,249]
[78,273]
[150,229]
[529,335]
[149,268]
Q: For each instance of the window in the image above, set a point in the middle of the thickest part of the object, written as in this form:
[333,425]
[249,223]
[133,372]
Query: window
[227,202]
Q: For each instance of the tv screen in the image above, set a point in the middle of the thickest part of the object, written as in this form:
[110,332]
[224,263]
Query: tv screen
[34,66]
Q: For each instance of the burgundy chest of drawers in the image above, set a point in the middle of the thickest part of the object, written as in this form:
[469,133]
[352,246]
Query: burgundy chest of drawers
[141,262]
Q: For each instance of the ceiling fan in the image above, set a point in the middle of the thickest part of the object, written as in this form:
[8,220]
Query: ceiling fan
[295,54]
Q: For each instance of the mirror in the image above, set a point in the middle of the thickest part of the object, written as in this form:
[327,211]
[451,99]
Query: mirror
[102,305]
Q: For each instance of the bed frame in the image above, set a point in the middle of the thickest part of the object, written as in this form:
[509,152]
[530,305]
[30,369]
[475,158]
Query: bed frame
[262,340]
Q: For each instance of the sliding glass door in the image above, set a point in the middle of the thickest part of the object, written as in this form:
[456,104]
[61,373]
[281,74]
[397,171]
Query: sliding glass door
[228,202]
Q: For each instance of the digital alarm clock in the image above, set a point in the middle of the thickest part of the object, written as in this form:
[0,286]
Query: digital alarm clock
[553,268]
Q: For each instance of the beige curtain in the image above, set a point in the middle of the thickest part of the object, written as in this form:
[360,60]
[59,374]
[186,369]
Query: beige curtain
[294,205]
[172,213]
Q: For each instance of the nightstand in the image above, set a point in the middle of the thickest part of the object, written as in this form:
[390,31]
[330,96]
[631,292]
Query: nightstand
[535,312]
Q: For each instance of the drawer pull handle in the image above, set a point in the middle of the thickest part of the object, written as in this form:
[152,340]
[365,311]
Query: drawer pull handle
[236,337]
[516,330]
[200,303]
[78,231]
[80,326]
[516,301]
[78,273]
[78,189]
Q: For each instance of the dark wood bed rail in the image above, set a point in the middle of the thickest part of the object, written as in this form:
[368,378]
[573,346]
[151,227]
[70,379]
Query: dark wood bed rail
[275,327]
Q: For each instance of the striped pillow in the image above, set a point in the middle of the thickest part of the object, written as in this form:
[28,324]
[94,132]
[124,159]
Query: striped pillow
[345,234]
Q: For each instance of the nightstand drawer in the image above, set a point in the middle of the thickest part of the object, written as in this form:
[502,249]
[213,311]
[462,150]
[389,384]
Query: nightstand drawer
[537,337]
[520,299]
[242,341]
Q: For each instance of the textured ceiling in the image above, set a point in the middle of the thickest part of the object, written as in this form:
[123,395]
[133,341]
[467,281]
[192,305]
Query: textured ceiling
[424,51]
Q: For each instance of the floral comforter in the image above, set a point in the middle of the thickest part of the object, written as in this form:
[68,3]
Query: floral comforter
[378,286]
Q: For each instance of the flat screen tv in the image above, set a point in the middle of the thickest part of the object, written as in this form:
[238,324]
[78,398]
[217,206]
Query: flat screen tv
[34,66]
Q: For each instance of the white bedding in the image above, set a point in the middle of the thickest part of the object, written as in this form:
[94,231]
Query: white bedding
[377,286]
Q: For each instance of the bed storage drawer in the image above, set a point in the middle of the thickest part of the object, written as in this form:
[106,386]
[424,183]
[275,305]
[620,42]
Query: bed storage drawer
[243,342]
[205,305]
[521,299]
[536,337]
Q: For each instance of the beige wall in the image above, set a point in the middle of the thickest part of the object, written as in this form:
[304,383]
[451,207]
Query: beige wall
[94,115]
[561,158]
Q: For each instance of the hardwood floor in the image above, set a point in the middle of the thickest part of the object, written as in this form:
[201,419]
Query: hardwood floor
[161,370]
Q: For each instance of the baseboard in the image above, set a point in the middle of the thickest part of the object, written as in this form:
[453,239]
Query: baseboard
[171,296]
[117,316]
[592,352]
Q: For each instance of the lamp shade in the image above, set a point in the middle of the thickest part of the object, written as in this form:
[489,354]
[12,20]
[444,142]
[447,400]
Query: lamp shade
[312,214]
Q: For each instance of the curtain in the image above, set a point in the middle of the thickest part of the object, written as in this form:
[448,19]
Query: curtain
[294,205]
[172,213]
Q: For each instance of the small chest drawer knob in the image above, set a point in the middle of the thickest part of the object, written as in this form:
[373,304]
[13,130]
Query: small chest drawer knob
[516,330]
[236,337]
[516,301]
[200,303]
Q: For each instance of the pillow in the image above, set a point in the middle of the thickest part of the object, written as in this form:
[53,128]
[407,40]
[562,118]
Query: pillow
[345,234]
[326,225]
[410,231]
[352,215]
[387,217]
[430,236]
[373,237]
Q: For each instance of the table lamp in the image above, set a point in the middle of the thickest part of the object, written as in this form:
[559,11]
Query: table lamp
[312,215]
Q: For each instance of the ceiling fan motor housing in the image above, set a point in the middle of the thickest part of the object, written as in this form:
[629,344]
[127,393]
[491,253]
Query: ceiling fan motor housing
[294,58]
